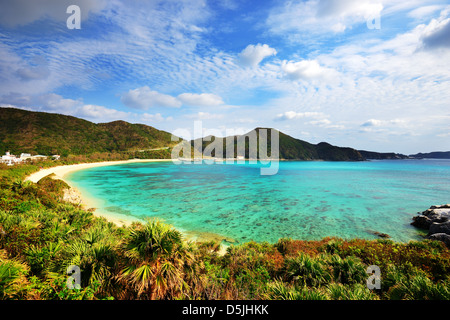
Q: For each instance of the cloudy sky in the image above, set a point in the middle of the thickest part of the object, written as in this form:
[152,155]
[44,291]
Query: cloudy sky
[371,75]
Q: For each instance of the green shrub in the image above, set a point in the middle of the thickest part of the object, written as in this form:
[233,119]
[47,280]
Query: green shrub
[408,282]
[12,278]
[306,270]
[348,270]
[42,258]
[338,291]
[279,290]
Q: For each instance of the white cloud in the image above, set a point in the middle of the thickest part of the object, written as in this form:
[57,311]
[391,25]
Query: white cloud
[290,115]
[147,117]
[372,123]
[200,100]
[36,71]
[322,122]
[144,98]
[252,55]
[124,44]
[380,123]
[437,33]
[96,113]
[5,105]
[306,70]
[424,11]
[51,102]
[300,20]
[205,116]
[326,123]
[15,98]
[56,103]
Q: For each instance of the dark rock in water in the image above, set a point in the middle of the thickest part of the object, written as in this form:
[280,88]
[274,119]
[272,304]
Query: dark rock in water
[382,235]
[441,237]
[443,206]
[425,219]
[422,221]
[436,220]
[436,227]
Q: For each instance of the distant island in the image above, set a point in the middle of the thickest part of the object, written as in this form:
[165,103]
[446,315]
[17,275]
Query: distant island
[432,155]
[382,155]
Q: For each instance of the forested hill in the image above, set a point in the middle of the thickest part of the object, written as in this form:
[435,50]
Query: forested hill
[50,133]
[23,131]
[289,148]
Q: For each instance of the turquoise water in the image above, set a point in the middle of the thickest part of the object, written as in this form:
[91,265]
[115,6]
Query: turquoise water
[304,200]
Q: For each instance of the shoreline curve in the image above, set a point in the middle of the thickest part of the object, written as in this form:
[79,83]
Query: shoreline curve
[60,172]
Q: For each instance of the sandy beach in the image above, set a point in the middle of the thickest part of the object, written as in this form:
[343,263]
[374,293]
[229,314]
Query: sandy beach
[61,171]
[74,195]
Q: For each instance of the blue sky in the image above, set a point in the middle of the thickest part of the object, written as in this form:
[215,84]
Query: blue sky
[371,75]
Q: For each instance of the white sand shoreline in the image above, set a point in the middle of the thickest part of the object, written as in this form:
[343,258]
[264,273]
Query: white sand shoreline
[63,170]
[60,172]
[87,202]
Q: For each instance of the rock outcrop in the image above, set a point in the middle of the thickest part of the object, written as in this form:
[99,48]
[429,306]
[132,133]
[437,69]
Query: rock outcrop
[436,220]
[441,237]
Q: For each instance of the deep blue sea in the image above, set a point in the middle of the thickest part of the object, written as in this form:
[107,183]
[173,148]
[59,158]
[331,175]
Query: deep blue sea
[305,200]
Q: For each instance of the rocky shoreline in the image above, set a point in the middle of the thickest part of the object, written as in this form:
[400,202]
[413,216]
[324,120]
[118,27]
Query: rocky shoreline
[72,195]
[436,220]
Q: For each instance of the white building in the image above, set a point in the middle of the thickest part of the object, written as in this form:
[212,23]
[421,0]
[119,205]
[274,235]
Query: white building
[38,157]
[10,159]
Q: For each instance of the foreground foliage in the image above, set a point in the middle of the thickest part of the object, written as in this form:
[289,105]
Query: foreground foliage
[41,236]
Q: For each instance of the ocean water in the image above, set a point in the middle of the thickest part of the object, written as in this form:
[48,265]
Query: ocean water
[305,200]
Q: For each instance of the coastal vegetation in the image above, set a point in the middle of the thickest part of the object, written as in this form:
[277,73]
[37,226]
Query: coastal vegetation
[41,236]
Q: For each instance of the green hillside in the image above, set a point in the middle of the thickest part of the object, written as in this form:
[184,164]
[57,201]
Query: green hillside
[289,147]
[49,133]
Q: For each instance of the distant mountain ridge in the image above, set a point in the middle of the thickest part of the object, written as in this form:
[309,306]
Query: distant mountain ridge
[50,133]
[289,148]
[370,155]
[432,155]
